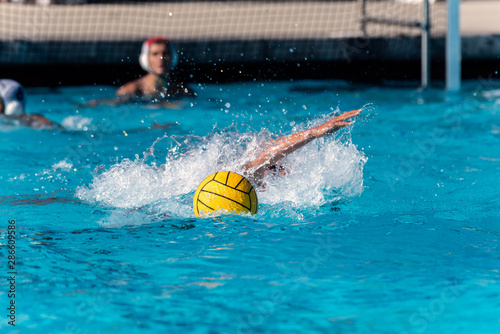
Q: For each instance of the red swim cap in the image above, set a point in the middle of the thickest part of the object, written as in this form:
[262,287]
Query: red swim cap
[155,39]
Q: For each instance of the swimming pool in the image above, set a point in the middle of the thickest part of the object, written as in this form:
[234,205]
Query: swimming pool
[390,226]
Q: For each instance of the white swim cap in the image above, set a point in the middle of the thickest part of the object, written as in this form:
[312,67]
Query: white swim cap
[13,96]
[144,56]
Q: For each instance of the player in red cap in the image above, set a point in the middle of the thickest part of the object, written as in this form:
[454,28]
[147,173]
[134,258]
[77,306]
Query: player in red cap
[158,59]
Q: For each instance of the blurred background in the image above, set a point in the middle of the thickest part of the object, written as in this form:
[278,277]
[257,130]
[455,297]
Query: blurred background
[81,42]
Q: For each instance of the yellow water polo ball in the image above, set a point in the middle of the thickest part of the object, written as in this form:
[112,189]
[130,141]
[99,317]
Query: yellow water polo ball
[225,190]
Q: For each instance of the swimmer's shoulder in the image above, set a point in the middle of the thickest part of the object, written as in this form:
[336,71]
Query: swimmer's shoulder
[130,88]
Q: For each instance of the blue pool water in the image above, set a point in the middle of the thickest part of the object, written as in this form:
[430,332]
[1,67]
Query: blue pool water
[391,226]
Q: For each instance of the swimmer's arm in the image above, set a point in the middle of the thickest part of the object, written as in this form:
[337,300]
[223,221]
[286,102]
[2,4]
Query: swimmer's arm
[105,102]
[37,121]
[277,149]
[129,89]
[122,97]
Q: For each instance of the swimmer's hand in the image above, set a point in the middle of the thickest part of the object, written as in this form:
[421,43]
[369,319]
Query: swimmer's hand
[334,124]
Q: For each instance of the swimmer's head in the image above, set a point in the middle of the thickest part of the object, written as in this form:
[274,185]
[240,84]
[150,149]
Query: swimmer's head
[275,169]
[12,97]
[157,56]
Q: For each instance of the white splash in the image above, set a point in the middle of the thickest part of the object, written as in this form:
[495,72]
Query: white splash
[76,123]
[491,94]
[323,171]
[62,165]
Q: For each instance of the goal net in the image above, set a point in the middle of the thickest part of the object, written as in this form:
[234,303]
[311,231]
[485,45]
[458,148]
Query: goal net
[111,32]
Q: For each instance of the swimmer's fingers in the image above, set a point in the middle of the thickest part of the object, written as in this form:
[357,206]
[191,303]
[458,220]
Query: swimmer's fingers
[342,124]
[346,115]
[338,121]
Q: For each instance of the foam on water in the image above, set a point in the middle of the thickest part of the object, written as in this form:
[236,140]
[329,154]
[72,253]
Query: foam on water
[163,181]
[76,123]
[62,165]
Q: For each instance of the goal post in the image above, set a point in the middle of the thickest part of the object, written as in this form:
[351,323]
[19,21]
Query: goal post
[453,47]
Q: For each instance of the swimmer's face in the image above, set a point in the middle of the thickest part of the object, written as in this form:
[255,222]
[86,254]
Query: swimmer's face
[159,58]
[1,106]
[275,169]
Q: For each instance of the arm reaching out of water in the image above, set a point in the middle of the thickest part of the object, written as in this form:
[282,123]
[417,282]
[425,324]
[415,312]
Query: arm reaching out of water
[277,149]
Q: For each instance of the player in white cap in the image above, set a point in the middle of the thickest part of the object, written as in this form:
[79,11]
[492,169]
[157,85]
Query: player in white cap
[158,59]
[12,97]
[13,103]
